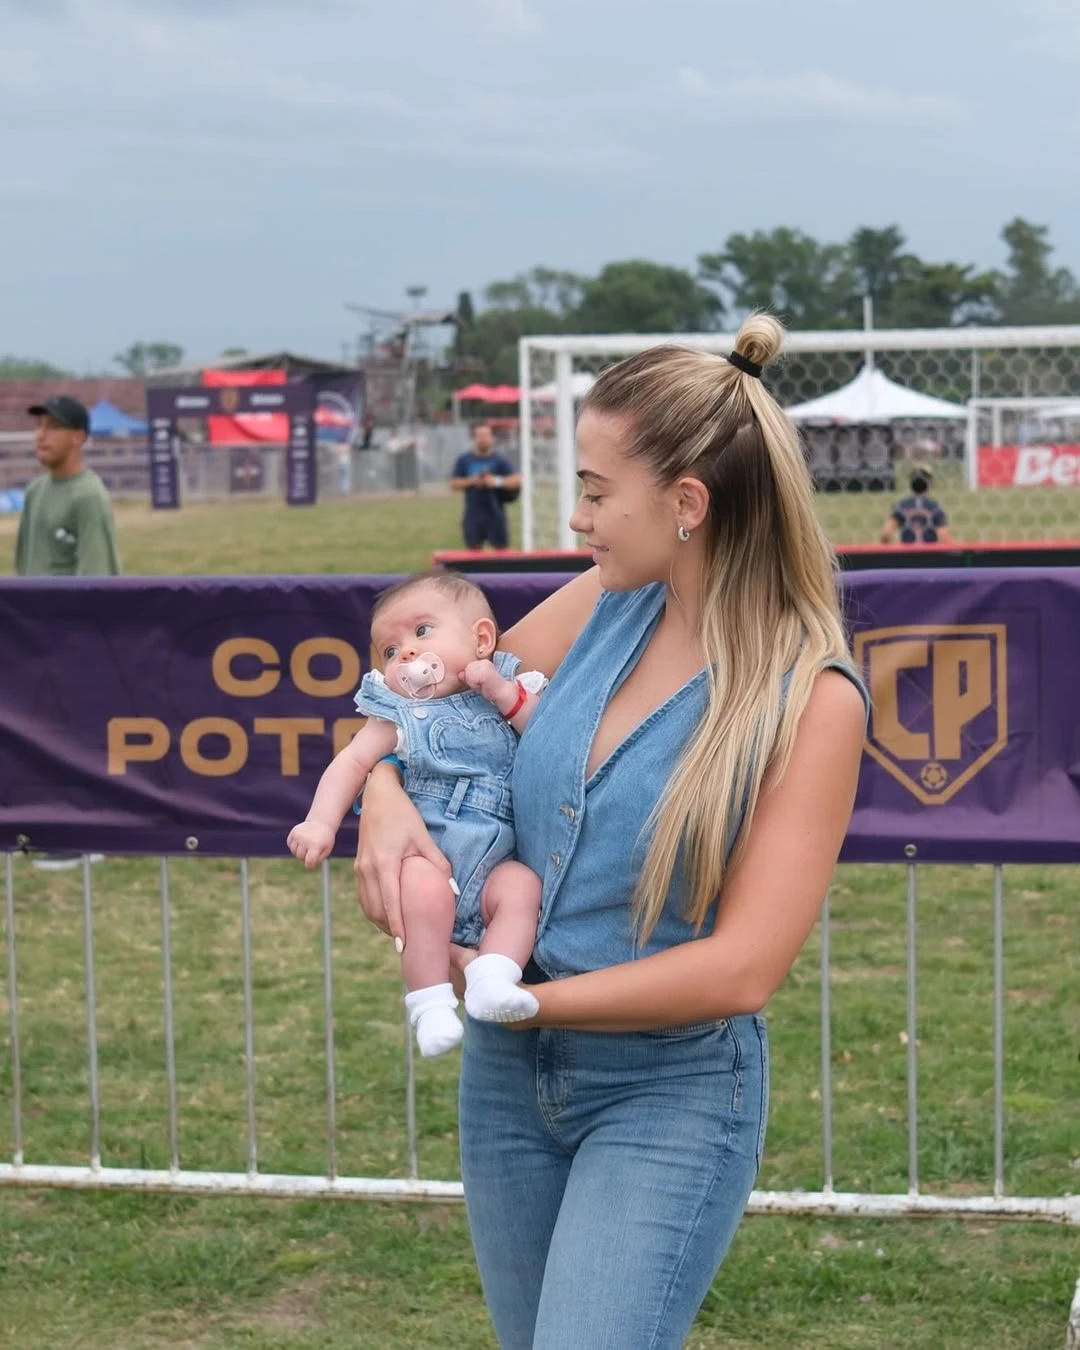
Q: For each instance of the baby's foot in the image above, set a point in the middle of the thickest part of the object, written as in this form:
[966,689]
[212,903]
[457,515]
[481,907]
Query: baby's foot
[432,1016]
[492,993]
[438,1031]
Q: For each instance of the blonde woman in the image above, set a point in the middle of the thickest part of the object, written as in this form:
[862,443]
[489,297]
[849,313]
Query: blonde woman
[683,791]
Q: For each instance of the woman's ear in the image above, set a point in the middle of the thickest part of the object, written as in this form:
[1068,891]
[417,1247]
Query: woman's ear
[691,502]
[486,637]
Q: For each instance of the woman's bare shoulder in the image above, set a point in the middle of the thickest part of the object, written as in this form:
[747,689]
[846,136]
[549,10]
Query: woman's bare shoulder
[543,637]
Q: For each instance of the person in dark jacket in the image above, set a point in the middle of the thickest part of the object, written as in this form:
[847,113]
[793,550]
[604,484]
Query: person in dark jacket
[920,518]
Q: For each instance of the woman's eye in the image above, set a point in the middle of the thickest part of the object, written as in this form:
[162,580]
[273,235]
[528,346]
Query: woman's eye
[593,501]
[423,629]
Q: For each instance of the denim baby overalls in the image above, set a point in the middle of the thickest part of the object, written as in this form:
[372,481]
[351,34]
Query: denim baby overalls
[459,754]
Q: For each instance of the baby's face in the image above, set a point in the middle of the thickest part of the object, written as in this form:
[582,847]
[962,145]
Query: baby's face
[425,622]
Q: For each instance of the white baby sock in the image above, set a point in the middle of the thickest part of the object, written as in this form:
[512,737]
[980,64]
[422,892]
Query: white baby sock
[492,993]
[432,1016]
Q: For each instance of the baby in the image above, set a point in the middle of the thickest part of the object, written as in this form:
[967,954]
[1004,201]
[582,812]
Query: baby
[448,705]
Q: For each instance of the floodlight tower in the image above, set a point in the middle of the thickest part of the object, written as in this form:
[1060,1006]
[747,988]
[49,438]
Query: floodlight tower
[411,352]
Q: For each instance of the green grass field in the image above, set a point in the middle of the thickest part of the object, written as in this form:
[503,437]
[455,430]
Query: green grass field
[137,1272]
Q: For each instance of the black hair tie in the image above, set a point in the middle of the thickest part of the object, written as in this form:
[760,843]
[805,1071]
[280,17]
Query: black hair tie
[744,364]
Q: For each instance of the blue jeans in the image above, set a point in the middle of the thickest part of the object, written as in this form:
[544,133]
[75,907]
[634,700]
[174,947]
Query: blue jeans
[605,1175]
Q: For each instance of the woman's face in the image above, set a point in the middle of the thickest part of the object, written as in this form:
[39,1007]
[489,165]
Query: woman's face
[628,521]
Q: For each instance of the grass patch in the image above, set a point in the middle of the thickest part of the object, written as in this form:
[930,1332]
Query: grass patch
[354,536]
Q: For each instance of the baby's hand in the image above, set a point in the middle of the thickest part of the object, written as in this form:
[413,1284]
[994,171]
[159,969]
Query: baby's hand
[482,677]
[311,842]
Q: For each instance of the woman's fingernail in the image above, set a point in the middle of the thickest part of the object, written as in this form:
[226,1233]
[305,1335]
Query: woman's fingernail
[454,887]
[399,946]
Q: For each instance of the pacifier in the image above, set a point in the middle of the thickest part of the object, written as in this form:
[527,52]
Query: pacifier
[420,678]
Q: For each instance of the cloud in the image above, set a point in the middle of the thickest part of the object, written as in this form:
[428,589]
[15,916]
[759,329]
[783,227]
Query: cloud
[815,92]
[197,84]
[20,71]
[223,10]
[1059,22]
[690,80]
[509,18]
[34,9]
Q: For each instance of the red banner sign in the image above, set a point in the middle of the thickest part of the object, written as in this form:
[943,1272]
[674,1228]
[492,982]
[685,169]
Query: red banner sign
[1028,465]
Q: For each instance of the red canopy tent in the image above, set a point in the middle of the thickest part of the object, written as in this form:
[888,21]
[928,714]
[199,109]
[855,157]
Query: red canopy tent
[489,393]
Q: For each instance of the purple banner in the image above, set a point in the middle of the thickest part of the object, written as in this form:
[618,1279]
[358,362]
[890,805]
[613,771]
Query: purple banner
[176,715]
[137,715]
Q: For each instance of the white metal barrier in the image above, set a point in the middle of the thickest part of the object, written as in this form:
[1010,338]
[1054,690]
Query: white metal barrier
[94,1175]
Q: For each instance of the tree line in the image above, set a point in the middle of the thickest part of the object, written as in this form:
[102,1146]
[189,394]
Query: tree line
[809,284]
[139,359]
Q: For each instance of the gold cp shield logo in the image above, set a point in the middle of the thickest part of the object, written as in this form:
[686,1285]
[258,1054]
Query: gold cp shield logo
[940,703]
[230,400]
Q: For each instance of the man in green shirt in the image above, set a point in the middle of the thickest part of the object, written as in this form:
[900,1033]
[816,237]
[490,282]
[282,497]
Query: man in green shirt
[66,527]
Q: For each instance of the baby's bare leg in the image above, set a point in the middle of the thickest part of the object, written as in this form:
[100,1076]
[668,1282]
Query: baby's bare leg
[427,907]
[511,906]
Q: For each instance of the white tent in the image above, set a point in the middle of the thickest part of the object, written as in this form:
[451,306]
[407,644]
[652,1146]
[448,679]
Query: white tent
[580,384]
[871,397]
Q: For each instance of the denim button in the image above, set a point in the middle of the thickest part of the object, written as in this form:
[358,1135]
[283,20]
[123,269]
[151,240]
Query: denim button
[568,812]
[419,713]
[556,858]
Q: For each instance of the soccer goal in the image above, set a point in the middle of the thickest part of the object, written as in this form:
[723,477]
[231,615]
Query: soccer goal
[869,402]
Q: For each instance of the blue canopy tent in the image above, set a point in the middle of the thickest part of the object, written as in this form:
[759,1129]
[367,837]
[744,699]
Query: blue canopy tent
[106,419]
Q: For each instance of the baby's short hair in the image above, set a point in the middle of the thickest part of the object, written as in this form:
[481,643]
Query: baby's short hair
[452,584]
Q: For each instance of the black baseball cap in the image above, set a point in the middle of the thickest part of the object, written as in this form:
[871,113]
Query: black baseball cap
[68,411]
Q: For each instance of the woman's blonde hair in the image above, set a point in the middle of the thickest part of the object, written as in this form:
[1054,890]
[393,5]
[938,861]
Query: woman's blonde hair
[769,599]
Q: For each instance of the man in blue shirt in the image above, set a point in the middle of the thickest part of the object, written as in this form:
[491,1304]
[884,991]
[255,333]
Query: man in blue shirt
[488,481]
[918,519]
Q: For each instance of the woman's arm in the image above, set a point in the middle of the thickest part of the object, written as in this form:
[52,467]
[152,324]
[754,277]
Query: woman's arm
[543,637]
[770,902]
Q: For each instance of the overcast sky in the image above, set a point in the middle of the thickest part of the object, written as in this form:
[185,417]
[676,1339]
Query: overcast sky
[230,172]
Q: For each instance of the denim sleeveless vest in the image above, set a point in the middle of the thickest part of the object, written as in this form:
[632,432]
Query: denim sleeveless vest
[586,838]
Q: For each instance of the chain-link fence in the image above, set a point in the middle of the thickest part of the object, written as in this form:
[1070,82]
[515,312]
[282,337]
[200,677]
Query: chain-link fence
[995,412]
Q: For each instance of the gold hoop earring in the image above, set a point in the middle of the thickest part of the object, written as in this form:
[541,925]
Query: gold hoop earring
[684,534]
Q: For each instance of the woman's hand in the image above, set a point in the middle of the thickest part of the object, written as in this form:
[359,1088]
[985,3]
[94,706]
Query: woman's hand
[391,830]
